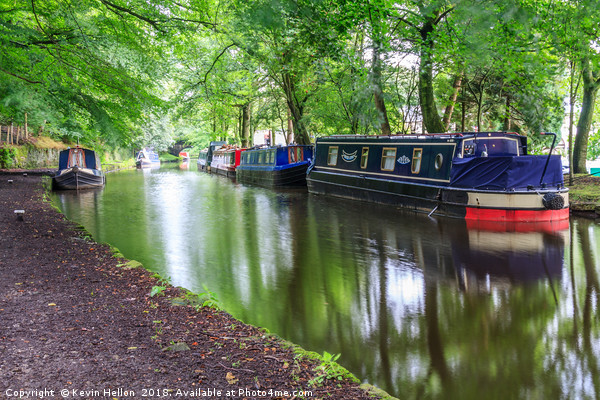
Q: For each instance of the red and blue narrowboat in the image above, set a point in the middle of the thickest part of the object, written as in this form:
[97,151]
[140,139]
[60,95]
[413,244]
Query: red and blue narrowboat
[485,176]
[275,166]
[225,160]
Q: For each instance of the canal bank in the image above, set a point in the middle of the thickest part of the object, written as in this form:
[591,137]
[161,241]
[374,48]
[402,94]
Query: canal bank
[77,320]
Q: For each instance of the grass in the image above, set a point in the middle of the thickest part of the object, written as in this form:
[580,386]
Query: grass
[585,189]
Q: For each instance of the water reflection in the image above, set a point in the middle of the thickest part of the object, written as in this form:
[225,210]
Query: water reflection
[424,308]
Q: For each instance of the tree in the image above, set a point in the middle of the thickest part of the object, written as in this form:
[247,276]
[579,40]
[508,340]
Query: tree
[94,66]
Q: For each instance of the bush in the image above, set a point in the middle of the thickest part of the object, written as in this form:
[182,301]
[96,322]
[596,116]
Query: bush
[7,156]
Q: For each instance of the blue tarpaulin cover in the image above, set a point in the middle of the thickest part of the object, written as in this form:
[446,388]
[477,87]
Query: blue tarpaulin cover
[505,173]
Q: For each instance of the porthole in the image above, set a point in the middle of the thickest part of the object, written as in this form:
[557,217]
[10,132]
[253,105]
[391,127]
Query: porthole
[439,160]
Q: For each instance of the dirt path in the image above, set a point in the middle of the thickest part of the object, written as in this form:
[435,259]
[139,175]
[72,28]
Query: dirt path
[76,323]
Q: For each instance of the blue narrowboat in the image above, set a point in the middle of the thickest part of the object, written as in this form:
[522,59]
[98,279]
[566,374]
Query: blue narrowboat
[485,176]
[206,155]
[275,166]
[78,168]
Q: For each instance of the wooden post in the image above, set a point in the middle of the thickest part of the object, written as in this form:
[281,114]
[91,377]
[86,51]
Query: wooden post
[18,135]
[26,131]
[10,133]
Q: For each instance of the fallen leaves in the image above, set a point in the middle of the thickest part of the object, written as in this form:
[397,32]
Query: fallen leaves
[231,379]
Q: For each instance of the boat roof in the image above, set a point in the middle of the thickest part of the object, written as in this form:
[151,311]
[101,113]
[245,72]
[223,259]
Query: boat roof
[420,136]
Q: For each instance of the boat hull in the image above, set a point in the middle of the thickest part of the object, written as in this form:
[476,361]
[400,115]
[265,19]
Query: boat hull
[77,179]
[293,175]
[229,172]
[470,204]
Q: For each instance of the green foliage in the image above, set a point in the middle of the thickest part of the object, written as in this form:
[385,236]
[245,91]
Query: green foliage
[593,152]
[329,369]
[144,73]
[209,299]
[7,155]
[157,290]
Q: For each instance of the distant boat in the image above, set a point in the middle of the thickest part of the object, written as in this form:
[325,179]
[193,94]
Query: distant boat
[205,157]
[147,158]
[184,155]
[484,176]
[275,166]
[225,160]
[78,168]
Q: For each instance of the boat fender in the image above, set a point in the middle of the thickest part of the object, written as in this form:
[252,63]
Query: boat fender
[553,201]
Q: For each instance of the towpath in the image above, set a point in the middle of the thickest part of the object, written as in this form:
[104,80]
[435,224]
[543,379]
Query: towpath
[78,322]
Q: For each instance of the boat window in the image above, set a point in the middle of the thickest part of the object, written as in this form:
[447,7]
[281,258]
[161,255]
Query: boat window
[291,155]
[271,156]
[261,157]
[494,146]
[388,159]
[364,157]
[332,155]
[77,158]
[439,160]
[416,161]
[299,156]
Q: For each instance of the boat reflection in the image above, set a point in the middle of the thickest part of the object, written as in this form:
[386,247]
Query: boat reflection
[485,258]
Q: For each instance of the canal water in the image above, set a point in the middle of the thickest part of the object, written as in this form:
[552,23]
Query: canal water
[421,307]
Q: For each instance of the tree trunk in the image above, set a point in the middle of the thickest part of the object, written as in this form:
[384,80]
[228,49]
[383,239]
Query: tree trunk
[431,118]
[463,112]
[572,96]
[296,109]
[245,131]
[506,123]
[290,128]
[452,100]
[378,91]
[591,84]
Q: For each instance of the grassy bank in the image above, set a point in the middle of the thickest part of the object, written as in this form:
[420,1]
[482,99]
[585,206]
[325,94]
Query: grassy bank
[584,195]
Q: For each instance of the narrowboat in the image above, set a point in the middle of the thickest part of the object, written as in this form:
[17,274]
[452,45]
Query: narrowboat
[225,160]
[485,176]
[185,156]
[147,158]
[206,155]
[275,166]
[78,168]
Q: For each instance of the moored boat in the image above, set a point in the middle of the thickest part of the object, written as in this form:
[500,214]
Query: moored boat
[206,155]
[185,156]
[147,158]
[78,168]
[275,166]
[225,160]
[486,176]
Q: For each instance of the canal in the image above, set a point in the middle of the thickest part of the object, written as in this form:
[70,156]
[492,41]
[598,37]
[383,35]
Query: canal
[421,307]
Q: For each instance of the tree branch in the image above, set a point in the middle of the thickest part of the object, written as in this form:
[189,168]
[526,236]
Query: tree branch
[114,6]
[20,77]
[215,62]
[442,15]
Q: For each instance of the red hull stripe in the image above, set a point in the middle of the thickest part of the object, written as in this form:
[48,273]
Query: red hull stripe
[497,215]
